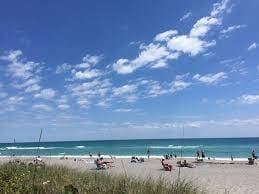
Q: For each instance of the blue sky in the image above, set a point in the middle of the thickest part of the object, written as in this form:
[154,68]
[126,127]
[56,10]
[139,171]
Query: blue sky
[128,69]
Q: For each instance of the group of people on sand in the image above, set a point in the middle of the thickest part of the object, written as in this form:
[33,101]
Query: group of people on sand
[168,166]
[200,154]
[103,164]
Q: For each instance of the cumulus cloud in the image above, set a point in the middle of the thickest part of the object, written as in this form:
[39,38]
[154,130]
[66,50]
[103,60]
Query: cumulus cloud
[25,74]
[188,45]
[211,79]
[203,25]
[185,16]
[14,100]
[17,67]
[47,94]
[63,106]
[169,45]
[33,88]
[126,89]
[232,28]
[89,91]
[86,74]
[123,110]
[249,99]
[165,36]
[63,68]
[10,103]
[179,85]
[41,107]
[252,46]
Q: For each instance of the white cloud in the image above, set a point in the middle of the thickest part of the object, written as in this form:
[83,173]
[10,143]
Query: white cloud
[252,46]
[86,74]
[219,8]
[126,89]
[187,15]
[82,102]
[27,83]
[17,67]
[123,110]
[90,91]
[179,85]
[41,107]
[33,88]
[92,59]
[14,100]
[122,66]
[165,36]
[169,45]
[211,79]
[46,94]
[249,99]
[63,106]
[232,28]
[63,68]
[188,45]
[203,25]
[104,103]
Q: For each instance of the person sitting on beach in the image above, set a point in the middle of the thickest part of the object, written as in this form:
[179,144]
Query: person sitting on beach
[99,164]
[134,159]
[108,163]
[166,165]
[185,164]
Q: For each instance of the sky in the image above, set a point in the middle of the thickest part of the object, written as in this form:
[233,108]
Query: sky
[90,70]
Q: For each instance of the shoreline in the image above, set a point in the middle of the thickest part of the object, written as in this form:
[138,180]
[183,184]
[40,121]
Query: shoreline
[125,157]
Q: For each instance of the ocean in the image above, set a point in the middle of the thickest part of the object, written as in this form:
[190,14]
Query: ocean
[219,148]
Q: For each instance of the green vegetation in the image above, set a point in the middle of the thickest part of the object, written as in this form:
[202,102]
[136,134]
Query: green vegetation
[21,178]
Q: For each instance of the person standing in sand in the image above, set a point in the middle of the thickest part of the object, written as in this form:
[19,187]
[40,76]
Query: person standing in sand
[148,153]
[202,154]
[198,154]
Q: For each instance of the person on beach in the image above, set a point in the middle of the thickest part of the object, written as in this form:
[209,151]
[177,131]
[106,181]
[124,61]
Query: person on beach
[148,153]
[90,155]
[202,154]
[232,158]
[253,155]
[108,163]
[99,154]
[198,154]
[166,165]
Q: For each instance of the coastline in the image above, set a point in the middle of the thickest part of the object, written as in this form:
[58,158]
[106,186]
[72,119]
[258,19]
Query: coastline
[127,157]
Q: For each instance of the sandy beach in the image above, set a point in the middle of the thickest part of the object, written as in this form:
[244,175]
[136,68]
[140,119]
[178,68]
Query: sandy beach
[214,176]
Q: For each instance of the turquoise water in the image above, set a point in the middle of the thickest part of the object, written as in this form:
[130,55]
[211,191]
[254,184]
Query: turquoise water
[216,147]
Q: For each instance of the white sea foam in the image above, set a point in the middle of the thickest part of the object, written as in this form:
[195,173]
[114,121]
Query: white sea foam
[79,147]
[29,148]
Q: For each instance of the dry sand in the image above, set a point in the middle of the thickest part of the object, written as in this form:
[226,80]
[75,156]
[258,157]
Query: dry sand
[214,176]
